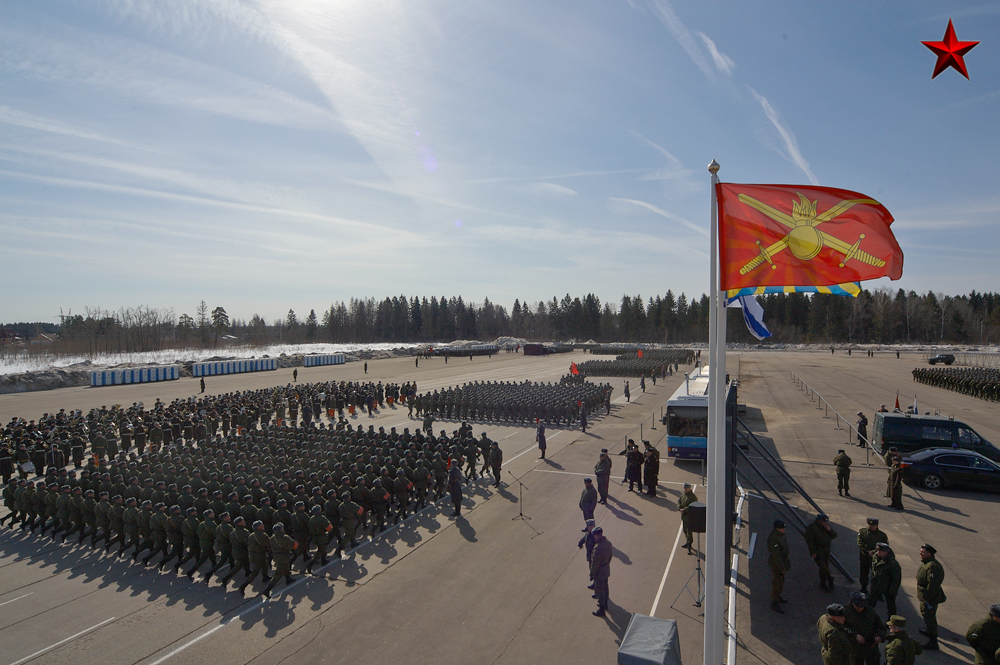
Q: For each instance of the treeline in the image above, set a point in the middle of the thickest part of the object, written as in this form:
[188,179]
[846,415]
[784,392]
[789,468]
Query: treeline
[879,316]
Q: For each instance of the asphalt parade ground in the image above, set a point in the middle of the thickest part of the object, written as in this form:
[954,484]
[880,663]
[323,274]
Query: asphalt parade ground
[490,587]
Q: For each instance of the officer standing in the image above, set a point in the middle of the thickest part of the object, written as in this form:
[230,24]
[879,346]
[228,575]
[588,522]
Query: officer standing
[777,559]
[455,486]
[836,645]
[600,570]
[900,649]
[843,464]
[868,538]
[862,430]
[651,468]
[588,500]
[867,628]
[496,462]
[603,472]
[540,438]
[896,483]
[886,578]
[819,537]
[684,502]
[984,636]
[588,540]
[930,594]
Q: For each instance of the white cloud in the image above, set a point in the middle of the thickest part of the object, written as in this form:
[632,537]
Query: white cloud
[790,145]
[723,62]
[684,37]
[546,188]
[628,205]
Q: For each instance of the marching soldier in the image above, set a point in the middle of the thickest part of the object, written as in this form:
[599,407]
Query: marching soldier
[240,539]
[282,551]
[319,528]
[258,548]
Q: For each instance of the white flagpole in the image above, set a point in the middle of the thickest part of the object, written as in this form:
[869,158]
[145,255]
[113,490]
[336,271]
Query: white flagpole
[716,492]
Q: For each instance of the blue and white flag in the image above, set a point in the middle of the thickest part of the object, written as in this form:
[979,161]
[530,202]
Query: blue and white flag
[753,315]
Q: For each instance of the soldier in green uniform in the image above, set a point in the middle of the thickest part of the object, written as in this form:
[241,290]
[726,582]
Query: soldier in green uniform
[496,462]
[240,539]
[258,548]
[684,501]
[600,570]
[282,550]
[868,538]
[930,594]
[350,514]
[866,630]
[900,648]
[886,578]
[223,543]
[843,464]
[895,483]
[833,636]
[319,528]
[819,537]
[206,542]
[984,636]
[777,559]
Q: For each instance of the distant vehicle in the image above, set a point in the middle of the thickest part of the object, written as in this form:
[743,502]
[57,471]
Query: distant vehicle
[687,417]
[939,468]
[945,358]
[910,433]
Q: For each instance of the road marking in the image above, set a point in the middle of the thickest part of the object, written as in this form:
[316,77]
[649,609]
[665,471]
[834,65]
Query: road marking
[677,541]
[60,642]
[18,598]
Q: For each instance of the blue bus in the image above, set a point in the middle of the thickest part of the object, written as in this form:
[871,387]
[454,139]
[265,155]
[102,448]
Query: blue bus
[687,417]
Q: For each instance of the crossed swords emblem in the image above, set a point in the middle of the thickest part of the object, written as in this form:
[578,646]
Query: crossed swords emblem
[804,240]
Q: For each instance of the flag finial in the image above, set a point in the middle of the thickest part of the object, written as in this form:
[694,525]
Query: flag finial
[714,167]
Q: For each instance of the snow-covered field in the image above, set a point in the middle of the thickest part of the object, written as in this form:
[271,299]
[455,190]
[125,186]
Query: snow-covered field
[19,362]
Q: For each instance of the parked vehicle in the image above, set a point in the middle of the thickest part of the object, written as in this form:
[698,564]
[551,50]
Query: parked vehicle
[910,432]
[939,468]
[945,358]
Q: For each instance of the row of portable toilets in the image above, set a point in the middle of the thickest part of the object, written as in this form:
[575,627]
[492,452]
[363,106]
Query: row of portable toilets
[233,367]
[117,377]
[324,359]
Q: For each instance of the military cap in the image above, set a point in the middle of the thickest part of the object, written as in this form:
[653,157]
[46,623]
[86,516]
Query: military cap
[995,611]
[840,450]
[861,413]
[263,499]
[687,486]
[872,520]
[929,548]
[897,621]
[299,503]
[835,610]
[598,530]
[208,513]
[859,598]
[587,480]
[822,517]
[258,524]
[591,522]
[884,547]
[87,493]
[278,526]
[102,495]
[224,514]
[316,510]
[346,496]
[191,511]
[175,509]
[779,524]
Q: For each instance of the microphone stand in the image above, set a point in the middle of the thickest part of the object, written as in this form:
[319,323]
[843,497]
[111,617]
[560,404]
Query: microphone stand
[520,498]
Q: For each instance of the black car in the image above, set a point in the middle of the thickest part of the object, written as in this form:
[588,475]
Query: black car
[937,468]
[945,358]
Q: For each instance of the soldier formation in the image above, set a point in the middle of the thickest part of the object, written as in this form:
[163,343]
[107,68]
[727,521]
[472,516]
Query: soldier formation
[981,382]
[526,402]
[230,482]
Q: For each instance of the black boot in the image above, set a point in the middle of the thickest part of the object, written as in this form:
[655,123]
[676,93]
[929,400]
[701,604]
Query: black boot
[932,645]
[777,608]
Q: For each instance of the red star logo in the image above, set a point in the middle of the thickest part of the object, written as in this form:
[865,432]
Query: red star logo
[949,52]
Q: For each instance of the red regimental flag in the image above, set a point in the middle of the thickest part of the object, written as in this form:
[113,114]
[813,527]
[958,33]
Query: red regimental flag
[640,353]
[789,235]
[573,369]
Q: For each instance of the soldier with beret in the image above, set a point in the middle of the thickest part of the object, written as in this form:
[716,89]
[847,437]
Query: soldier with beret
[930,594]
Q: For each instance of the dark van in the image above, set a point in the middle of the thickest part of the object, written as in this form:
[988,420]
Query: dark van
[909,433]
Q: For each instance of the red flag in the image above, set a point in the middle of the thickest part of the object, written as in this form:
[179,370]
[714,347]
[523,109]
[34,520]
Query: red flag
[790,235]
[573,369]
[897,401]
[640,353]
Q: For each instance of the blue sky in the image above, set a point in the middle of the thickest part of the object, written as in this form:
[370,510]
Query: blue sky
[289,153]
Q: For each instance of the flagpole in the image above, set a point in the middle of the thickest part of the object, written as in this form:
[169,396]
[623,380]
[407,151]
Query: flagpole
[715,492]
